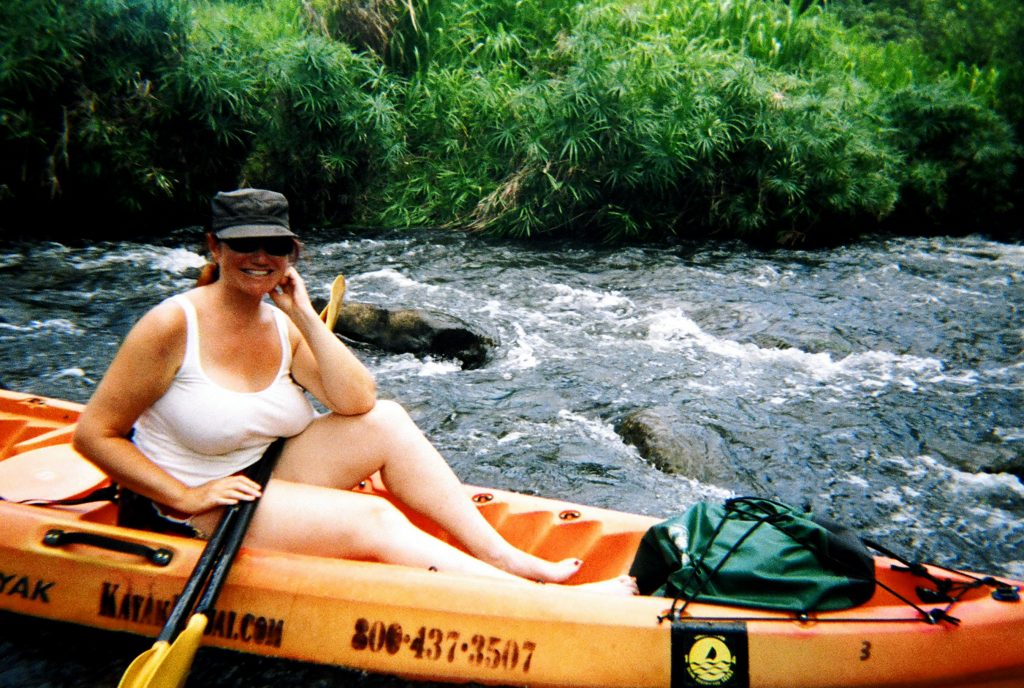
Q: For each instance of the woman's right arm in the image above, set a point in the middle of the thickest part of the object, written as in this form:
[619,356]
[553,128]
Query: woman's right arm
[139,375]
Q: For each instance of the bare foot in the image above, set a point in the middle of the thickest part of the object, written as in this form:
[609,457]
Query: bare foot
[559,571]
[527,566]
[623,586]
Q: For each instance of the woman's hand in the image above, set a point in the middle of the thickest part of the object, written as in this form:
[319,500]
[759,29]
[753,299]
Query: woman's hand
[217,493]
[290,294]
[321,363]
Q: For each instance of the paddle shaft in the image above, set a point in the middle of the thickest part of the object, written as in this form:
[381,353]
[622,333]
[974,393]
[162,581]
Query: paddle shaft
[194,586]
[242,513]
[211,557]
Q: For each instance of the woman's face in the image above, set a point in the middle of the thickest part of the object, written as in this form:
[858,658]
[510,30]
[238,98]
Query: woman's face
[255,265]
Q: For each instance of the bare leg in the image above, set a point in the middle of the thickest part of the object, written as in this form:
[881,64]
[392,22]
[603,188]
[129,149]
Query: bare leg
[339,451]
[309,519]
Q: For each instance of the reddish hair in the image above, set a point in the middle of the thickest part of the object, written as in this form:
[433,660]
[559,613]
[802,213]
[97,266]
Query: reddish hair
[208,275]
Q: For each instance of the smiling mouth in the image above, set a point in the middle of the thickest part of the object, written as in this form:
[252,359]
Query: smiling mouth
[258,273]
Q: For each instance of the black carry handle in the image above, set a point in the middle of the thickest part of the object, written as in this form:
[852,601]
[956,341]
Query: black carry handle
[55,537]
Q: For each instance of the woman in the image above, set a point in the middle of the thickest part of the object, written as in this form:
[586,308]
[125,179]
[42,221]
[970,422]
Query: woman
[207,379]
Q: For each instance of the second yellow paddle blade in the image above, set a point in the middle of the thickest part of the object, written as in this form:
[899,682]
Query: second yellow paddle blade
[330,314]
[138,672]
[172,669]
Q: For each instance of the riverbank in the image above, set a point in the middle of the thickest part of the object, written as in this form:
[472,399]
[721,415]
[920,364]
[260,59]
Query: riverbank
[781,123]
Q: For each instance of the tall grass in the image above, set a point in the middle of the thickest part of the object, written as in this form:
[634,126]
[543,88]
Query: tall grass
[608,119]
[137,109]
[669,118]
[711,117]
[292,108]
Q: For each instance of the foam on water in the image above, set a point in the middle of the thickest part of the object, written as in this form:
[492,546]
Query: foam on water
[393,277]
[587,300]
[163,259]
[673,330]
[57,326]
[177,260]
[593,427]
[523,353]
[70,372]
[432,367]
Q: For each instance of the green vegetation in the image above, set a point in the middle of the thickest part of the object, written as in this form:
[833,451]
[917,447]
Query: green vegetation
[605,119]
[136,111]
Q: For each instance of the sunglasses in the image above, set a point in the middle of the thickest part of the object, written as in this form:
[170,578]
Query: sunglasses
[274,246]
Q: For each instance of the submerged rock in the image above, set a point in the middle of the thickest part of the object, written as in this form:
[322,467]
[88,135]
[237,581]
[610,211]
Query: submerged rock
[990,453]
[409,330]
[675,446]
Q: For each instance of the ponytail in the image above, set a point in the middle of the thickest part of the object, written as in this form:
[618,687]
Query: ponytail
[208,275]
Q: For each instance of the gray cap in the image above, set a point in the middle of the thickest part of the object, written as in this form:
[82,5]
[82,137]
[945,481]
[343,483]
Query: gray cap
[249,213]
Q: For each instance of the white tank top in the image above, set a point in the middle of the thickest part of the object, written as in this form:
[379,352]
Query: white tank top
[200,431]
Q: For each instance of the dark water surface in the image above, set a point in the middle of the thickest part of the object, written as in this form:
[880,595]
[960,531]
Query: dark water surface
[867,381]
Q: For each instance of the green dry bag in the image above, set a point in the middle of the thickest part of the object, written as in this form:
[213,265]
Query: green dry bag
[755,552]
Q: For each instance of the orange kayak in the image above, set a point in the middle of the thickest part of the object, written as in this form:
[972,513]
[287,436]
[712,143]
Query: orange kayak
[71,563]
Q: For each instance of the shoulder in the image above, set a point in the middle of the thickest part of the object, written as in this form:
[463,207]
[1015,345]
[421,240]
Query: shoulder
[162,327]
[142,369]
[167,317]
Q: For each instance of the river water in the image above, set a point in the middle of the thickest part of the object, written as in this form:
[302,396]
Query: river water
[869,381]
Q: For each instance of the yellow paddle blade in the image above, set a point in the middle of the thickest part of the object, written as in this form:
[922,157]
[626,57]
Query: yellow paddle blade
[172,669]
[138,672]
[330,314]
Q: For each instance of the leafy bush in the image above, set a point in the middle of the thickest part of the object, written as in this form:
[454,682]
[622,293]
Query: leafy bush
[78,91]
[133,108]
[684,119]
[609,119]
[960,159]
[286,107]
[965,167]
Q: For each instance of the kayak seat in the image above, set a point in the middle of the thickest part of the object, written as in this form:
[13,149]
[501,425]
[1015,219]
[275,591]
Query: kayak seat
[49,473]
[496,513]
[527,529]
[46,438]
[11,431]
[19,434]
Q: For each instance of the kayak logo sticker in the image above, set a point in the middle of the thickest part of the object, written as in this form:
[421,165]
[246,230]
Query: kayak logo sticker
[710,662]
[710,654]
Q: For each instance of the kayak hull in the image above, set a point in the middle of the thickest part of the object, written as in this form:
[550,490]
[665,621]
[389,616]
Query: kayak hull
[442,627]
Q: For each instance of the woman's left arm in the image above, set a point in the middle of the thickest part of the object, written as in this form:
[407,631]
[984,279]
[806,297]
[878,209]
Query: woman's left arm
[321,362]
